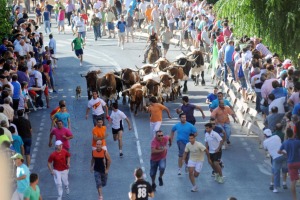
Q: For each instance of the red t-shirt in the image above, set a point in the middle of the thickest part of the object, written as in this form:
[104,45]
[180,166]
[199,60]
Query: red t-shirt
[46,68]
[220,38]
[59,133]
[59,160]
[158,145]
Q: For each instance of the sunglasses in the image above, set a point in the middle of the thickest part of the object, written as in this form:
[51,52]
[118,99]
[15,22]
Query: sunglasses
[160,135]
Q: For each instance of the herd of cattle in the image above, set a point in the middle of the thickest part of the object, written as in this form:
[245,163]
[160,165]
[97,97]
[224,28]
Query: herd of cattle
[161,79]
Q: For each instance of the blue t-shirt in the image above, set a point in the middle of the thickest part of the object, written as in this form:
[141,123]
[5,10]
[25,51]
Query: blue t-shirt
[17,89]
[121,26]
[17,143]
[215,103]
[22,185]
[228,53]
[46,15]
[189,111]
[184,131]
[212,97]
[292,147]
[296,109]
[280,92]
[63,116]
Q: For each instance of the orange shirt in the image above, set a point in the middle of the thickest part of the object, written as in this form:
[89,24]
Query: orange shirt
[222,115]
[99,132]
[148,14]
[155,111]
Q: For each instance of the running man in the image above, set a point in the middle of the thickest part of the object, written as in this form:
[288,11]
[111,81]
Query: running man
[213,143]
[155,109]
[100,164]
[77,45]
[117,126]
[188,109]
[140,189]
[99,133]
[184,129]
[196,151]
[159,151]
[97,105]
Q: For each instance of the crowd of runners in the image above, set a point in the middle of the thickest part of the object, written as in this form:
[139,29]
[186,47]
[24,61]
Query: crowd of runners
[27,66]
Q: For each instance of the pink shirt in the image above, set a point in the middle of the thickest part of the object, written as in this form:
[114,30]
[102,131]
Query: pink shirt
[59,133]
[267,87]
[295,98]
[158,145]
[61,15]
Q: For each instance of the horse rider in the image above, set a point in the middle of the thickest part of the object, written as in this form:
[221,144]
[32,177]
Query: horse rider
[153,38]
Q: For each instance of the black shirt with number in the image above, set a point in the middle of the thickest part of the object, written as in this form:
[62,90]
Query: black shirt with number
[141,189]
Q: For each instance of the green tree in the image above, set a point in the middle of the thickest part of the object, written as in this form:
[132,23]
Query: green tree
[275,21]
[5,19]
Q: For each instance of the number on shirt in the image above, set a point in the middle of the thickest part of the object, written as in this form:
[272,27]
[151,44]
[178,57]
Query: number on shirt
[142,192]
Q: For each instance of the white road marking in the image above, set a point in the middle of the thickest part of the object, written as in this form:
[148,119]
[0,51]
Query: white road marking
[263,170]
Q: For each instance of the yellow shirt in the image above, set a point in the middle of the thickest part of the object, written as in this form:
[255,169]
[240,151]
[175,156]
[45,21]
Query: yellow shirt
[197,151]
[109,16]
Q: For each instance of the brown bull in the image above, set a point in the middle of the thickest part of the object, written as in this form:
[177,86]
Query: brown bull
[107,87]
[152,88]
[135,94]
[91,81]
[178,74]
[166,85]
[146,69]
[129,77]
[162,63]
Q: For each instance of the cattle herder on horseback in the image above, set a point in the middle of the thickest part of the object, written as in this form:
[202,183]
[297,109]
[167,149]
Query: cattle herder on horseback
[152,38]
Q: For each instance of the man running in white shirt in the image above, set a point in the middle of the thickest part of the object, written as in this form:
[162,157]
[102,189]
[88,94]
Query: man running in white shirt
[117,126]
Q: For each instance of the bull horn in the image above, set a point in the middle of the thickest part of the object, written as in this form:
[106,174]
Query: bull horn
[137,67]
[82,75]
[183,53]
[193,60]
[116,76]
[102,87]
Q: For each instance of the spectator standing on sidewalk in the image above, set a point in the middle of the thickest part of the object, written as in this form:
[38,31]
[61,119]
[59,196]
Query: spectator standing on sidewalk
[117,126]
[22,177]
[61,20]
[60,169]
[121,26]
[129,27]
[33,191]
[183,129]
[140,189]
[159,151]
[196,151]
[100,165]
[97,105]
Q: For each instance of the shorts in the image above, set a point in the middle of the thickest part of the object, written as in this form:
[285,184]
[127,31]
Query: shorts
[154,126]
[116,131]
[100,179]
[166,46]
[110,26]
[78,52]
[181,147]
[61,23]
[243,83]
[46,91]
[129,30]
[155,164]
[27,145]
[216,157]
[196,164]
[121,34]
[82,34]
[293,170]
[193,34]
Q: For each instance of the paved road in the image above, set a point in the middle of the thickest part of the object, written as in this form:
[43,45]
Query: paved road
[246,169]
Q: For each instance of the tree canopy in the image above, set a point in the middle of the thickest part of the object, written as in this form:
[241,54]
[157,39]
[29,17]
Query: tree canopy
[275,21]
[5,19]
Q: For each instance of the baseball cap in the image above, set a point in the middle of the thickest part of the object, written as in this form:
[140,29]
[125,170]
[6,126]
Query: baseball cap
[268,132]
[17,156]
[58,142]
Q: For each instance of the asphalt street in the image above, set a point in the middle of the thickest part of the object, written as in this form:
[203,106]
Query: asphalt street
[247,171]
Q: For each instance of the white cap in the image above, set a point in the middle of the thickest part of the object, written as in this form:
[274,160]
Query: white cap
[58,142]
[268,132]
[287,61]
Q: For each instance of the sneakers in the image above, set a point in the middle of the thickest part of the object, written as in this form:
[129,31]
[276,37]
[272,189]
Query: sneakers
[153,187]
[228,142]
[220,179]
[67,190]
[80,64]
[121,154]
[216,176]
[284,186]
[160,180]
[271,187]
[223,147]
[40,107]
[213,174]
[275,190]
[194,188]
[179,172]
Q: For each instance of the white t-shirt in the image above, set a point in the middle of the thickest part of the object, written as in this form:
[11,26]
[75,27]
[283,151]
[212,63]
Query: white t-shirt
[272,144]
[99,15]
[81,26]
[278,103]
[97,5]
[117,118]
[97,106]
[38,76]
[143,7]
[213,139]
[197,151]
